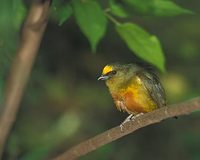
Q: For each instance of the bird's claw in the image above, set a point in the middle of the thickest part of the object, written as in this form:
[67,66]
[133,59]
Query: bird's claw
[131,117]
[121,127]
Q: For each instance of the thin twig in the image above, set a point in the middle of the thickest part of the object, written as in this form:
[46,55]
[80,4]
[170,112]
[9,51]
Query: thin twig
[32,33]
[129,127]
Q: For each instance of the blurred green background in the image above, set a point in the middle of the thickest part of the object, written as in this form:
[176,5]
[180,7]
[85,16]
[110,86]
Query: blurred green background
[64,104]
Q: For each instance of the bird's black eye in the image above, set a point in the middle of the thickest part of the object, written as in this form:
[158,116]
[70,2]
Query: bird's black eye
[111,73]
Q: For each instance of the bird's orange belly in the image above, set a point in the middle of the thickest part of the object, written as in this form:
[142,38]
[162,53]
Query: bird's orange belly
[132,104]
[136,100]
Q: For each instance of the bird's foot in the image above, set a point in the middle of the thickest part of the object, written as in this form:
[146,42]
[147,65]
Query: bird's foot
[131,117]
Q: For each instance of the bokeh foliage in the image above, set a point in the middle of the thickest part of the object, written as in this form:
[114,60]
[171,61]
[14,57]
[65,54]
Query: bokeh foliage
[64,104]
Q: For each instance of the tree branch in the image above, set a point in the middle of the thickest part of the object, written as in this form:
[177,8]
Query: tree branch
[32,33]
[129,127]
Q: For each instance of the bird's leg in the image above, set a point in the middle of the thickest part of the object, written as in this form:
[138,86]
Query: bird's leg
[129,118]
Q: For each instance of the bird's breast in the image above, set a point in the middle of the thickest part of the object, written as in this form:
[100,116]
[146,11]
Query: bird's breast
[134,98]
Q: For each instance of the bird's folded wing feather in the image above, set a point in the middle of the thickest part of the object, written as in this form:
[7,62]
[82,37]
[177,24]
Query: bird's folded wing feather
[154,87]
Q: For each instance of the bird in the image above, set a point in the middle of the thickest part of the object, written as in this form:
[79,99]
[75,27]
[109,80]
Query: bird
[134,88]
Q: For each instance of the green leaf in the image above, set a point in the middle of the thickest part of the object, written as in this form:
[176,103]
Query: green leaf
[143,44]
[91,20]
[117,9]
[61,12]
[157,7]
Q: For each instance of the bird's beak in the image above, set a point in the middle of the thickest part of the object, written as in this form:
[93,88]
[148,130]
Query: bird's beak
[103,77]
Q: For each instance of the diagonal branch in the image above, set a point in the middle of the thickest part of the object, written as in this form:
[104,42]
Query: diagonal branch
[31,37]
[129,127]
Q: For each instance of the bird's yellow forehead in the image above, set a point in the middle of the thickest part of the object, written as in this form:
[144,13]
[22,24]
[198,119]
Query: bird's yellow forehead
[107,69]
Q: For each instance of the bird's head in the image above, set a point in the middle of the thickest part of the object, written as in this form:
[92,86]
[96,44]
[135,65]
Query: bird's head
[116,74]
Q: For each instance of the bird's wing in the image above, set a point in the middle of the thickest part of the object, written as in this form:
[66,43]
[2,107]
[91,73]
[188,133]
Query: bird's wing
[154,87]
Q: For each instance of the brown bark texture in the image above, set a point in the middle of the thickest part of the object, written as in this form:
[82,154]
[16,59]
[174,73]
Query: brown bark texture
[31,36]
[115,133]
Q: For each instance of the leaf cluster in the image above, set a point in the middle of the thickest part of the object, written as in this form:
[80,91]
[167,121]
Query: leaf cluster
[92,18]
